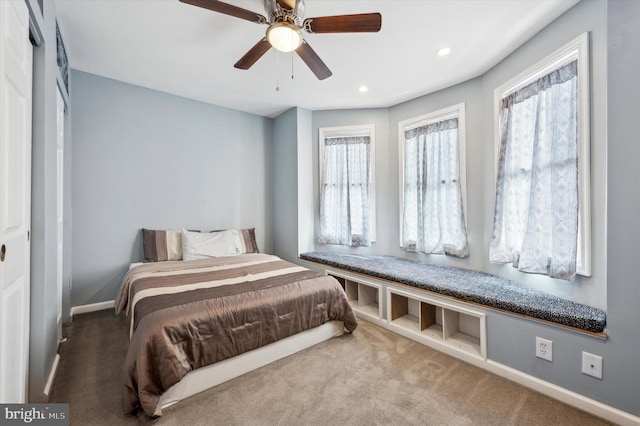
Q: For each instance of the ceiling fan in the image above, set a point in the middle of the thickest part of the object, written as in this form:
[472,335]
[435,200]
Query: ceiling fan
[285,21]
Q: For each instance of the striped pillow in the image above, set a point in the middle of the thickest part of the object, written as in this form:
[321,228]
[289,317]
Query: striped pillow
[160,246]
[248,241]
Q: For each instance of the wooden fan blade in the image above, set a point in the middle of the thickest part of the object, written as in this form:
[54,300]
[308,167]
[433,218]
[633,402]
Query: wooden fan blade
[361,23]
[313,61]
[227,9]
[287,4]
[253,54]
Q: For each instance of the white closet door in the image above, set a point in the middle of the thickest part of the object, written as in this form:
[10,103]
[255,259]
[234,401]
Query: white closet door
[15,198]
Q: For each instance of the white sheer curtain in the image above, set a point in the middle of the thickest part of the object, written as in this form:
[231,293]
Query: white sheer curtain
[344,202]
[433,220]
[536,215]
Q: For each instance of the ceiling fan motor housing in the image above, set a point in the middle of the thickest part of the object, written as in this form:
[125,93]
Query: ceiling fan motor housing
[277,13]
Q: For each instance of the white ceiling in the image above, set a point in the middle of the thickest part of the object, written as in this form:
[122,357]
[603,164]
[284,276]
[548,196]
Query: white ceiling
[189,51]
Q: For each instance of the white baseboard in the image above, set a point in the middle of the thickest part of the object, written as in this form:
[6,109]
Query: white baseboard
[52,375]
[83,309]
[565,395]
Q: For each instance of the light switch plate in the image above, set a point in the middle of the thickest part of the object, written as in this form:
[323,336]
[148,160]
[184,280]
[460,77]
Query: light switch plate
[592,365]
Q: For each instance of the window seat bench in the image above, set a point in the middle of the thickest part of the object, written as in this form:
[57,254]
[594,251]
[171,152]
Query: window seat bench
[470,286]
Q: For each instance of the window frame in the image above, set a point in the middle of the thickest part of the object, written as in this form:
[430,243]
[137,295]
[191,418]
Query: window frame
[352,131]
[576,49]
[453,111]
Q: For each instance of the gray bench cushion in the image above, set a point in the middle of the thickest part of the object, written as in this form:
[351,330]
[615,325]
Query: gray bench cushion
[472,286]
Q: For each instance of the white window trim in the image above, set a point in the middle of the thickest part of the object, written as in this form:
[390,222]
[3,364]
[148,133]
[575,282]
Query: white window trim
[575,49]
[424,120]
[354,131]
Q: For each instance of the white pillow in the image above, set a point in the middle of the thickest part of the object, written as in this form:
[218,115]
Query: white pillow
[202,245]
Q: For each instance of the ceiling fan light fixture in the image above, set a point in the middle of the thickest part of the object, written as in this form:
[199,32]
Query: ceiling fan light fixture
[443,51]
[284,37]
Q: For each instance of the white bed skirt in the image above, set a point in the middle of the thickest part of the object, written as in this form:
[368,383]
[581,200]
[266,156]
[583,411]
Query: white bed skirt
[212,375]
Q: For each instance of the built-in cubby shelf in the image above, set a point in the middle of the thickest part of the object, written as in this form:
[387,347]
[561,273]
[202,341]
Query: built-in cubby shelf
[462,330]
[440,322]
[451,326]
[364,297]
[405,312]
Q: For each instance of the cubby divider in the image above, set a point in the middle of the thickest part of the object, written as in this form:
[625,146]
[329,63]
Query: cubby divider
[431,320]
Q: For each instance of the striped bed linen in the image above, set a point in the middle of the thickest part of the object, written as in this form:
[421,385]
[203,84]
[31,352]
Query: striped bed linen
[186,315]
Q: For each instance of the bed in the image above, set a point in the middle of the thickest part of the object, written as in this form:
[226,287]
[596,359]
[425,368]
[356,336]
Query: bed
[197,323]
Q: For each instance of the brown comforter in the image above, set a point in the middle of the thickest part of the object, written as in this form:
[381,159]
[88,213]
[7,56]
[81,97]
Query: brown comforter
[185,315]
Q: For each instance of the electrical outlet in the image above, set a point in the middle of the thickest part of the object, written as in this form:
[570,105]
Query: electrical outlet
[544,348]
[592,365]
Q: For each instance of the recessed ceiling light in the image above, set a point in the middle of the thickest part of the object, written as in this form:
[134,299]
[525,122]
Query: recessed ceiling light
[443,51]
[363,89]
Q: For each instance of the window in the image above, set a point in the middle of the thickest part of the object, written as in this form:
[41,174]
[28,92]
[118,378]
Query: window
[347,195]
[542,217]
[433,176]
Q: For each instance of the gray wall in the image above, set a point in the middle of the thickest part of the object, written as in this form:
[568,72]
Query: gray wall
[623,203]
[511,340]
[146,159]
[43,310]
[284,186]
[477,95]
[306,218]
[469,93]
[384,166]
[292,185]
[588,15]
[615,204]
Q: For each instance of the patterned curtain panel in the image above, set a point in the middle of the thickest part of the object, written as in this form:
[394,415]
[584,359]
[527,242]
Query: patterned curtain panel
[344,203]
[433,220]
[536,215]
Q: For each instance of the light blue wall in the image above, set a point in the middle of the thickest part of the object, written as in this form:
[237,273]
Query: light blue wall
[146,159]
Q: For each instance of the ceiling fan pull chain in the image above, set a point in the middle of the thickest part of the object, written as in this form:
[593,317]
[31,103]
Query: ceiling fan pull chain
[277,73]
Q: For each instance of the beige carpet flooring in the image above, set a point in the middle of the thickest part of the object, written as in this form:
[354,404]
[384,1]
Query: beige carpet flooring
[373,377]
